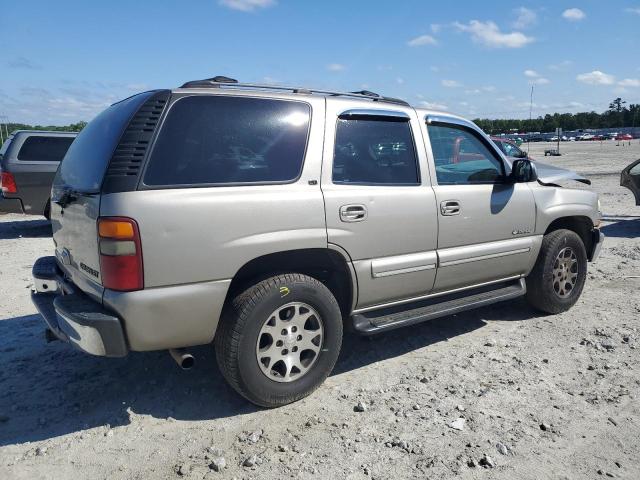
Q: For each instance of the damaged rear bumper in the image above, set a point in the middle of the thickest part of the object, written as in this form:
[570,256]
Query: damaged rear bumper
[74,317]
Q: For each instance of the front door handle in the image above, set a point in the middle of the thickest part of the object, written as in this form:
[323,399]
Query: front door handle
[450,207]
[353,213]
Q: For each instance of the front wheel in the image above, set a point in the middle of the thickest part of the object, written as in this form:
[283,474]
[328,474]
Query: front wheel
[557,279]
[279,339]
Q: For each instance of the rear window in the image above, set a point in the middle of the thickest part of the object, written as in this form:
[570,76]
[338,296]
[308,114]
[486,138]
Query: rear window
[85,163]
[214,140]
[37,148]
[5,146]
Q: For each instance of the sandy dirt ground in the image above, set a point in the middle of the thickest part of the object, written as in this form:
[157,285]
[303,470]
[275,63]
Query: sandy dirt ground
[541,397]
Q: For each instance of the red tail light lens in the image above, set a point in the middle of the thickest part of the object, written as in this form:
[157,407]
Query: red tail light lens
[8,183]
[120,254]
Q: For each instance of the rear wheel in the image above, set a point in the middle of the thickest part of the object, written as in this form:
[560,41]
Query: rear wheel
[279,339]
[557,279]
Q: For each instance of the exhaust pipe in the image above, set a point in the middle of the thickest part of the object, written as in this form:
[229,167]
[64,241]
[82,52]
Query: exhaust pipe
[184,359]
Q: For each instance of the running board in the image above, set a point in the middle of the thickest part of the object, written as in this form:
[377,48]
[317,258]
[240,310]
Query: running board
[375,321]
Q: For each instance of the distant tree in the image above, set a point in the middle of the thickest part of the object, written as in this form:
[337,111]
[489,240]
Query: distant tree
[617,105]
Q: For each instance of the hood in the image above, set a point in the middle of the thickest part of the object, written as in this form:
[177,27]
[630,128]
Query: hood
[553,176]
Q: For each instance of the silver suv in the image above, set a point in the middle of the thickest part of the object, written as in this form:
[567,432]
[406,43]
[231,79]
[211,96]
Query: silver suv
[266,219]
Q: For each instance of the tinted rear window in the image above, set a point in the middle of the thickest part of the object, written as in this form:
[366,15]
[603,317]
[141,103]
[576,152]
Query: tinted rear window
[37,148]
[212,140]
[86,160]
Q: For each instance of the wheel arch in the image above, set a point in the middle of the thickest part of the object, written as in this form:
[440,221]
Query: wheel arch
[581,225]
[331,266]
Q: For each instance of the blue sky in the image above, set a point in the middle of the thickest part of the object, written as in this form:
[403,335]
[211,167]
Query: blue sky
[65,61]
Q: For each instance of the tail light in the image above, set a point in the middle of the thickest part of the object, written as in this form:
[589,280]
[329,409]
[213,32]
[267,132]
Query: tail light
[8,183]
[120,254]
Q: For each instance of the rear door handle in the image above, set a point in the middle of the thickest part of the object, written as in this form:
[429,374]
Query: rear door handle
[450,207]
[353,213]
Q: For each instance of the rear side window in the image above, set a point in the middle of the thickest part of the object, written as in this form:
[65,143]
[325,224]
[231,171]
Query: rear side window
[213,140]
[37,148]
[375,152]
[85,163]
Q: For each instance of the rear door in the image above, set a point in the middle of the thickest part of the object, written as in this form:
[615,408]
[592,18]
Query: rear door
[486,223]
[75,202]
[379,205]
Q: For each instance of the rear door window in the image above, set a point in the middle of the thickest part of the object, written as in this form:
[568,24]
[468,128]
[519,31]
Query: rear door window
[38,148]
[375,151]
[225,140]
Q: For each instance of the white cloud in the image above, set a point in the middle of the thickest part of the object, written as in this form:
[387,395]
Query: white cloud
[535,77]
[422,40]
[573,14]
[451,83]
[489,35]
[629,82]
[436,27]
[434,68]
[489,88]
[540,81]
[560,66]
[525,18]
[434,105]
[399,80]
[633,10]
[335,67]
[247,5]
[596,78]
[23,63]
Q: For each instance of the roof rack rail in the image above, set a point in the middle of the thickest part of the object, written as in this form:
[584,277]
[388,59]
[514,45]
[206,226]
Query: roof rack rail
[226,82]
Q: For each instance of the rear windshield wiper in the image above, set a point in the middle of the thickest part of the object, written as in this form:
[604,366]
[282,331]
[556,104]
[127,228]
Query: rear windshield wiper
[65,196]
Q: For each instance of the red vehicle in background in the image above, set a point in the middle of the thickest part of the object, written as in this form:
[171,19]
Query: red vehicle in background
[624,136]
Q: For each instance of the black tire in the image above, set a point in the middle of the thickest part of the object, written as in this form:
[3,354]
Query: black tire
[541,292]
[240,326]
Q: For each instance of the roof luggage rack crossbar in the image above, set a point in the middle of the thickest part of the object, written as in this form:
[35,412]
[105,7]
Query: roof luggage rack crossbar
[230,83]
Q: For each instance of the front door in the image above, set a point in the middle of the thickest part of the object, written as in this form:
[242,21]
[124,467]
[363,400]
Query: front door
[379,205]
[486,222]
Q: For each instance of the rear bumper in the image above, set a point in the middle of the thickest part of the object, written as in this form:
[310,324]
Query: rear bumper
[10,205]
[72,316]
[597,240]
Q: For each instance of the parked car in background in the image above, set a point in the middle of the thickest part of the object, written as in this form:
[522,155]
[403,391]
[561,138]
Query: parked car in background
[624,136]
[270,219]
[630,178]
[28,162]
[510,148]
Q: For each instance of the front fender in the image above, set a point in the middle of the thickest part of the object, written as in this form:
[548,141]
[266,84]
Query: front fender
[553,203]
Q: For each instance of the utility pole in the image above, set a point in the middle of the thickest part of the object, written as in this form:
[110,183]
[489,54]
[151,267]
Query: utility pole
[530,118]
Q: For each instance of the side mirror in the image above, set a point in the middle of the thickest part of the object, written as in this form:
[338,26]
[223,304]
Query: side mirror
[522,154]
[523,171]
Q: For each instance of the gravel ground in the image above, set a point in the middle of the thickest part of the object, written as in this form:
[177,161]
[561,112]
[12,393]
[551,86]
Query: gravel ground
[501,392]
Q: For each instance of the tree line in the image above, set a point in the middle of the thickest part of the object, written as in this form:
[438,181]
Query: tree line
[616,116]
